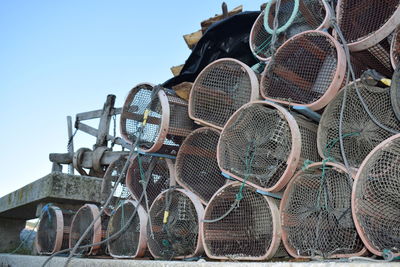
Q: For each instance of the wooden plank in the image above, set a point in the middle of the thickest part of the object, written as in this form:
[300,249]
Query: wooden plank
[71,145]
[176,70]
[106,159]
[207,23]
[104,124]
[95,114]
[183,90]
[193,38]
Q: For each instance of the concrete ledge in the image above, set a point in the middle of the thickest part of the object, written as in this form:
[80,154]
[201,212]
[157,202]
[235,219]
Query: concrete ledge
[57,188]
[19,260]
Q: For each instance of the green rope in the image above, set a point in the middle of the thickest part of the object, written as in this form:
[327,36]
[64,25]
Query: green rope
[248,162]
[333,142]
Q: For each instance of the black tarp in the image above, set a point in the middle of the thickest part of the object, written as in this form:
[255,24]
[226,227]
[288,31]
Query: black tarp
[226,38]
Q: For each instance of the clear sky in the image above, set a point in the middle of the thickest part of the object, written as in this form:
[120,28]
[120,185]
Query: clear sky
[59,58]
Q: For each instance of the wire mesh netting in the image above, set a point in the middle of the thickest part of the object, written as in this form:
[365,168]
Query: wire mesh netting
[264,144]
[220,89]
[315,81]
[250,231]
[163,118]
[196,164]
[360,134]
[173,230]
[132,242]
[363,21]
[80,222]
[156,172]
[395,93]
[376,195]
[395,49]
[53,230]
[316,214]
[110,178]
[310,15]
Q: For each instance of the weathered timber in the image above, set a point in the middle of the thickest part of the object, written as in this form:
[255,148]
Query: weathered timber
[207,23]
[176,70]
[70,144]
[183,90]
[96,114]
[87,162]
[104,124]
[192,39]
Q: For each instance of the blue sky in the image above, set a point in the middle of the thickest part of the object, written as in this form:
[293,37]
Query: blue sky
[59,58]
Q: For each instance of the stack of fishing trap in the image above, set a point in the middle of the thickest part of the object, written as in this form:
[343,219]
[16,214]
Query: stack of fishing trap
[301,160]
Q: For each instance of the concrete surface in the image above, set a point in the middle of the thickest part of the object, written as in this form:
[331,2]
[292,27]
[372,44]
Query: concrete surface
[9,233]
[55,188]
[7,260]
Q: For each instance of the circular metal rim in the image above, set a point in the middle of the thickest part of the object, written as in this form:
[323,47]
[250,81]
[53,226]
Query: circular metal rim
[337,79]
[396,35]
[254,95]
[97,231]
[200,215]
[276,226]
[369,41]
[354,200]
[162,134]
[59,234]
[293,157]
[179,158]
[142,244]
[289,248]
[395,93]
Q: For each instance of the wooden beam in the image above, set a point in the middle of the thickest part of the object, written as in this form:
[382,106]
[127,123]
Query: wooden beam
[105,119]
[183,90]
[71,145]
[207,23]
[95,114]
[87,162]
[176,70]
[193,38]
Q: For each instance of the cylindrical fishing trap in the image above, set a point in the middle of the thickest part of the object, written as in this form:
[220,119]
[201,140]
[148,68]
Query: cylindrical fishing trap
[395,49]
[157,172]
[163,118]
[132,243]
[264,144]
[220,89]
[365,26]
[360,134]
[174,228]
[376,198]
[110,178]
[308,69]
[196,164]
[80,222]
[53,230]
[246,230]
[316,213]
[293,17]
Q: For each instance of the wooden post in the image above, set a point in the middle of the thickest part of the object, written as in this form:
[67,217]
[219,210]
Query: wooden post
[71,146]
[105,119]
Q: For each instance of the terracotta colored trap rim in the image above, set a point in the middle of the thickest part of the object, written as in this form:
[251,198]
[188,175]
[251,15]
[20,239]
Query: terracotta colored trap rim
[276,225]
[283,204]
[59,232]
[364,237]
[293,157]
[337,79]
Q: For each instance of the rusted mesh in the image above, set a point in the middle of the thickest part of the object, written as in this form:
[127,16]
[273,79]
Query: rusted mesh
[376,197]
[311,16]
[376,57]
[175,235]
[319,75]
[81,221]
[256,145]
[157,170]
[360,19]
[132,242]
[166,126]
[360,133]
[220,89]
[111,175]
[316,214]
[395,49]
[250,231]
[53,219]
[196,164]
